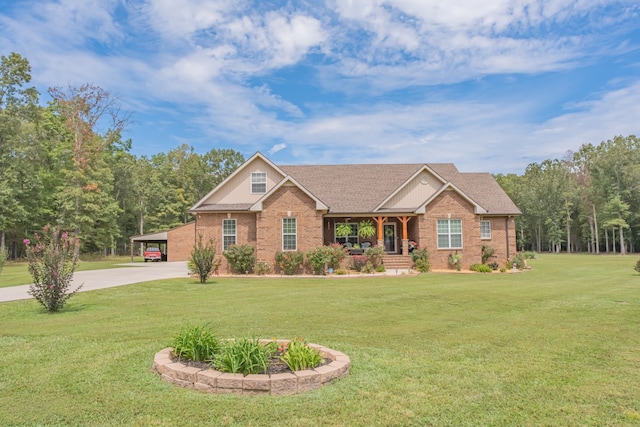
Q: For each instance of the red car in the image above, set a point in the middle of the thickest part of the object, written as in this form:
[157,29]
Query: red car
[152,254]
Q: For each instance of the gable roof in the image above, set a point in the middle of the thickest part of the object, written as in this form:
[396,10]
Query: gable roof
[365,188]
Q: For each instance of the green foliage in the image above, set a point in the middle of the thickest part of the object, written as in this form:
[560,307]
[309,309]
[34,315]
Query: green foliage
[422,265]
[241,258]
[318,258]
[368,268]
[480,268]
[289,261]
[202,259]
[195,343]
[529,255]
[336,253]
[487,253]
[455,261]
[3,258]
[637,266]
[300,356]
[245,356]
[420,259]
[343,230]
[519,261]
[262,268]
[341,271]
[366,229]
[52,260]
[374,255]
[493,265]
[380,269]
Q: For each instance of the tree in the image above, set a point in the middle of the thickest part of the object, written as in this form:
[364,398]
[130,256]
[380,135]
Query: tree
[18,106]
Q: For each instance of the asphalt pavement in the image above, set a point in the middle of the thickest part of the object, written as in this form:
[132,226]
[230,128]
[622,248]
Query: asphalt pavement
[109,278]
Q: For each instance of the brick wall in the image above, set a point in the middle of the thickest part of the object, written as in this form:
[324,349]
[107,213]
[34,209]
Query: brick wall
[210,226]
[450,205]
[288,201]
[180,242]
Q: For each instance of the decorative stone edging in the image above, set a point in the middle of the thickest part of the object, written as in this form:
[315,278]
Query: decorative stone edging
[212,381]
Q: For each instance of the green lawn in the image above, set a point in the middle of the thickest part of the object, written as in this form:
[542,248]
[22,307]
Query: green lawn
[16,273]
[555,346]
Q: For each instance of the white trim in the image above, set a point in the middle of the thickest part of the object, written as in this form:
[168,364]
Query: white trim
[235,232]
[289,234]
[257,155]
[485,221]
[449,185]
[448,234]
[404,184]
[257,206]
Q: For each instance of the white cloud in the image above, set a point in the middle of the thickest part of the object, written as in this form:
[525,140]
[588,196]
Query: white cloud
[276,148]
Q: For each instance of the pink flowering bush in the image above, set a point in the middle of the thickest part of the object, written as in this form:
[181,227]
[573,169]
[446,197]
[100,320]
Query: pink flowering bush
[52,260]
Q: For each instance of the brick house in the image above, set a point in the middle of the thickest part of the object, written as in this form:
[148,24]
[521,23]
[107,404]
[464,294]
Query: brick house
[435,206]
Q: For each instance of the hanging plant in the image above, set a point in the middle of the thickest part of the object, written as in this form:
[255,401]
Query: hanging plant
[366,229]
[343,230]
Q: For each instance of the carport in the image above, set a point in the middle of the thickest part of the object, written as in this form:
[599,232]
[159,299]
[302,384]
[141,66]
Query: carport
[159,239]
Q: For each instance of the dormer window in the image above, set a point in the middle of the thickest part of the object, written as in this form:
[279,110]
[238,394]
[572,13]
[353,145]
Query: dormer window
[258,182]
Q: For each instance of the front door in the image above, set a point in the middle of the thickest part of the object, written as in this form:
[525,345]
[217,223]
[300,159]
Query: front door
[389,231]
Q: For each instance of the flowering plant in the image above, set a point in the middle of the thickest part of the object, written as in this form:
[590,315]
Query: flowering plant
[412,245]
[52,261]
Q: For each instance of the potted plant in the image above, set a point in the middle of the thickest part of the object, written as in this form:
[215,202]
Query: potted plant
[343,230]
[366,229]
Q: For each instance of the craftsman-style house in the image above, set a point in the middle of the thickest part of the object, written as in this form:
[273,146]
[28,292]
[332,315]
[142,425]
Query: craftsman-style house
[435,206]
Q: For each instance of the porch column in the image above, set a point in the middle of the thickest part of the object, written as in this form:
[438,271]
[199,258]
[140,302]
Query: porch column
[405,235]
[380,220]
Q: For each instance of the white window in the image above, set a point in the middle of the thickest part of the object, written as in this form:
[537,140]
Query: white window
[351,238]
[289,234]
[258,182]
[449,234]
[228,233]
[485,229]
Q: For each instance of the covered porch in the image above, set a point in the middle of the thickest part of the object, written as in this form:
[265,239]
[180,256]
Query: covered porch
[398,233]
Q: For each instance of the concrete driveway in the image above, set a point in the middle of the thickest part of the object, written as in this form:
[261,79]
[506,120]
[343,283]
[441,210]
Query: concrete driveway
[109,278]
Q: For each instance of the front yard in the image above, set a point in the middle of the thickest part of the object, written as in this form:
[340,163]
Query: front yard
[557,345]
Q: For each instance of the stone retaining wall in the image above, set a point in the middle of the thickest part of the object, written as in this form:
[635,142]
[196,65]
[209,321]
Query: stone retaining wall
[212,381]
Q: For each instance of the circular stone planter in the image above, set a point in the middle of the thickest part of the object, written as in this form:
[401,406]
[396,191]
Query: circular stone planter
[212,381]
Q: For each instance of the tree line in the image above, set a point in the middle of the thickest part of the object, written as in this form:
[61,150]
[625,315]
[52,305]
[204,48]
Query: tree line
[589,201]
[68,165]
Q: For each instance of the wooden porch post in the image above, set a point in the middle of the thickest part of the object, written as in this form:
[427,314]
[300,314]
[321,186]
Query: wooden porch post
[380,220]
[405,235]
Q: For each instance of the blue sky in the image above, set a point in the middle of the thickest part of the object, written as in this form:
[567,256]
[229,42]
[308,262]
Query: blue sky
[489,85]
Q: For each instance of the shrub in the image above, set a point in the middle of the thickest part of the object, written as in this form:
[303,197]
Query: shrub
[380,269]
[422,265]
[341,272]
[374,255]
[317,259]
[637,266]
[52,262]
[358,262]
[245,356]
[241,258]
[202,259]
[519,260]
[3,258]
[420,259]
[196,343]
[336,253]
[480,268]
[289,261]
[529,255]
[493,265]
[487,253]
[455,261]
[300,356]
[368,268]
[261,268]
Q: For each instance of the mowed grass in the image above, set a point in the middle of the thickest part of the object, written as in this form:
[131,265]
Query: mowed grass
[17,273]
[557,345]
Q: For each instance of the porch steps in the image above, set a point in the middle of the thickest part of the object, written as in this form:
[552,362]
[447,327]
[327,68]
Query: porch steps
[394,262]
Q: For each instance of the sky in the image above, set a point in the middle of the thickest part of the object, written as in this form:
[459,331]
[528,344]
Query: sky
[490,85]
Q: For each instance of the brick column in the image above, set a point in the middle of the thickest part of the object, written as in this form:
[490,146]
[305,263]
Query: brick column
[405,246]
